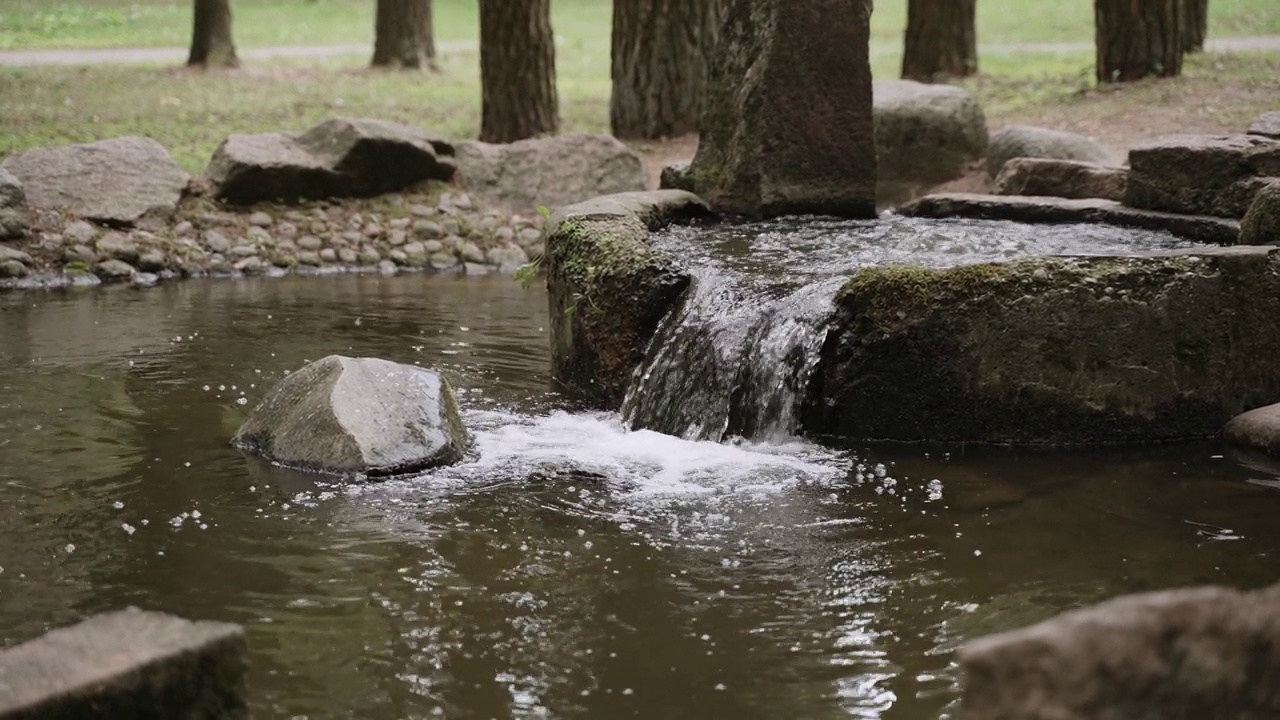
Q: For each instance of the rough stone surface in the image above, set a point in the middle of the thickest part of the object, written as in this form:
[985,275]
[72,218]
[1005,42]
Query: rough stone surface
[114,270]
[344,157]
[357,416]
[1213,230]
[608,287]
[925,136]
[1015,141]
[1054,351]
[550,171]
[1266,125]
[1201,174]
[786,126]
[1210,653]
[1258,428]
[1061,178]
[13,206]
[1261,224]
[118,181]
[127,664]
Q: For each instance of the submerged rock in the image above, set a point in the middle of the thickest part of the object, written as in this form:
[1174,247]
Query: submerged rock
[925,136]
[357,416]
[1205,174]
[1055,351]
[1028,141]
[1061,178]
[609,288]
[550,171]
[1208,652]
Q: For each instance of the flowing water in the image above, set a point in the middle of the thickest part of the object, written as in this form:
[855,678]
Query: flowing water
[571,568]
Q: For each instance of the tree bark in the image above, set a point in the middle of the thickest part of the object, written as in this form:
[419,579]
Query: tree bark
[1195,25]
[517,70]
[403,35]
[211,42]
[659,65]
[941,40]
[1138,39]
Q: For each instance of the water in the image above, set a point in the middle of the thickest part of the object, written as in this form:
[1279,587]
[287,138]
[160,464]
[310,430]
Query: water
[574,569]
[736,356]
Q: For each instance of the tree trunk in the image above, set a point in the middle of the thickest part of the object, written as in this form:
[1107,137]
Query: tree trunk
[211,42]
[660,54]
[1195,25]
[940,41]
[1138,38]
[517,70]
[403,35]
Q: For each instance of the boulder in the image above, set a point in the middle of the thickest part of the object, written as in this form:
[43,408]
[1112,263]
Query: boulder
[357,417]
[117,182]
[1061,178]
[550,171]
[344,157]
[128,664]
[1267,125]
[1038,209]
[1201,174]
[1210,653]
[1261,223]
[609,288]
[1028,141]
[925,135]
[1258,428]
[786,126]
[13,206]
[1052,351]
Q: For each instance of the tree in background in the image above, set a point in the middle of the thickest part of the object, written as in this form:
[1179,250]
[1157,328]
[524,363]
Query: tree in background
[517,70]
[1138,38]
[211,43]
[1195,25]
[941,40]
[403,35]
[659,65]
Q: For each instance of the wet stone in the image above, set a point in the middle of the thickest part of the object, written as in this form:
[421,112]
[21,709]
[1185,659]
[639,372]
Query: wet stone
[250,265]
[471,252]
[152,261]
[114,270]
[146,279]
[243,251]
[399,257]
[387,267]
[7,254]
[78,253]
[443,261]
[369,256]
[12,269]
[309,257]
[415,253]
[329,255]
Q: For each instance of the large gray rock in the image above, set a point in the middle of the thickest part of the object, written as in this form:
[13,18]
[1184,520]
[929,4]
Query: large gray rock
[344,157]
[118,181]
[1054,351]
[925,136]
[1209,653]
[550,171]
[1258,428]
[1061,178]
[786,127]
[1261,223]
[127,664]
[13,206]
[1266,125]
[1203,174]
[357,417]
[609,288]
[1028,141]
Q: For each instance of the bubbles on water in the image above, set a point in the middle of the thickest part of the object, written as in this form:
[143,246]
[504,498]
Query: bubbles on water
[129,529]
[70,548]
[117,505]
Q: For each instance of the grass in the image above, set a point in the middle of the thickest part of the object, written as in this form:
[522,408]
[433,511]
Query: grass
[190,112]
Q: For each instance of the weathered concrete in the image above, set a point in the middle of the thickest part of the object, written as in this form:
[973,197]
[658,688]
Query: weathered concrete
[609,288]
[1208,653]
[1201,174]
[1258,428]
[1048,351]
[787,123]
[1213,230]
[925,136]
[357,416]
[550,171]
[1061,178]
[1261,224]
[125,665]
[1028,141]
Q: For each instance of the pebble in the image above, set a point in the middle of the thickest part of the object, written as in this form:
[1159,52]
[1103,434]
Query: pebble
[347,256]
[117,246]
[399,257]
[369,255]
[261,219]
[114,270]
[471,252]
[396,238]
[146,280]
[152,261]
[216,241]
[422,211]
[80,233]
[12,269]
[78,253]
[249,265]
[310,242]
[329,255]
[427,229]
[286,230]
[386,267]
[8,254]
[184,228]
[309,257]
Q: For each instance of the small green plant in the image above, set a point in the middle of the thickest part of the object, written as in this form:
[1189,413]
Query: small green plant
[526,273]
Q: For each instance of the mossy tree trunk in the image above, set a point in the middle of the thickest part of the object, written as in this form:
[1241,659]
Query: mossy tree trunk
[1138,39]
[1195,25]
[517,70]
[659,65]
[211,43]
[403,35]
[941,40]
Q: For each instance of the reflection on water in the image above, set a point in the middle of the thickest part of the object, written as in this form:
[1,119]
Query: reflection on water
[570,568]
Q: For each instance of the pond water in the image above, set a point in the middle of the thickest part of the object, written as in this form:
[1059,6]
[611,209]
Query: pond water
[693,580]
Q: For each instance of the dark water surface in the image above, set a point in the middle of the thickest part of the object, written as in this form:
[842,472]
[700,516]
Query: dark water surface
[700,580]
